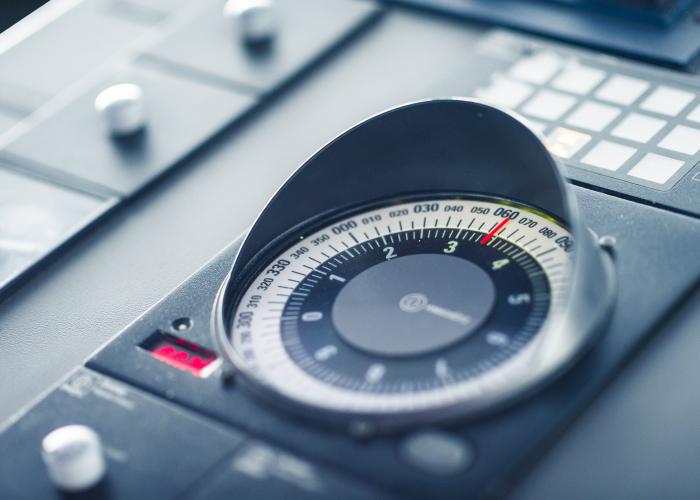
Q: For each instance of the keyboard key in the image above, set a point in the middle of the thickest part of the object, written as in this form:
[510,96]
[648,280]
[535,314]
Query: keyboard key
[549,105]
[593,116]
[536,126]
[578,79]
[608,155]
[505,92]
[565,143]
[622,89]
[667,100]
[538,68]
[682,139]
[694,116]
[656,168]
[639,128]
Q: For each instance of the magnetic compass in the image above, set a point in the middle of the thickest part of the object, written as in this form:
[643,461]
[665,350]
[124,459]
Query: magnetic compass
[425,264]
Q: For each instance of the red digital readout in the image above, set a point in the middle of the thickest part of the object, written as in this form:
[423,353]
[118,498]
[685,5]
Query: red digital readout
[182,354]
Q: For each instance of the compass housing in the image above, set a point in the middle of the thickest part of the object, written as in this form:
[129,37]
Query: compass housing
[437,146]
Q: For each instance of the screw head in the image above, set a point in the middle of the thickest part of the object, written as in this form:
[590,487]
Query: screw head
[607,243]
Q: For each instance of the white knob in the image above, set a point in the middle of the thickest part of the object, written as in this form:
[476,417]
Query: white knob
[255,21]
[73,457]
[122,108]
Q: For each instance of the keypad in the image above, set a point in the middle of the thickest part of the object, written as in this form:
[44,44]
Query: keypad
[604,117]
[566,142]
[593,116]
[694,116]
[578,79]
[608,155]
[549,105]
[656,168]
[506,92]
[622,89]
[682,139]
[638,128]
[537,68]
[667,100]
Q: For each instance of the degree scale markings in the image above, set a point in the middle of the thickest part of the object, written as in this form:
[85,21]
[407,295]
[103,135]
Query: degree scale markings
[491,234]
[497,229]
[317,263]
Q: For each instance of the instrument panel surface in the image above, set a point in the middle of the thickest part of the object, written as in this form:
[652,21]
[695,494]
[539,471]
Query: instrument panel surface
[142,265]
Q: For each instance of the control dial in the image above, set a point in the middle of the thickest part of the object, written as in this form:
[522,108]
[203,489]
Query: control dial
[74,458]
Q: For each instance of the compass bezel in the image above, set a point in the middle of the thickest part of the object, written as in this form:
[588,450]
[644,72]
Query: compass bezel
[569,331]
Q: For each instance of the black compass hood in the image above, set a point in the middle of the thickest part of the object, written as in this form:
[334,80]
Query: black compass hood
[441,145]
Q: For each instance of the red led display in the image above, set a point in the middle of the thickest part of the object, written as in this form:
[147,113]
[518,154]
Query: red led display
[181,354]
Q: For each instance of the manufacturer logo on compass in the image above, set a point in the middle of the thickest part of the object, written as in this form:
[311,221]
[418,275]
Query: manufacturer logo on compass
[413,302]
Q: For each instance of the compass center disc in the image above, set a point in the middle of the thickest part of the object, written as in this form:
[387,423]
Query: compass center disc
[413,305]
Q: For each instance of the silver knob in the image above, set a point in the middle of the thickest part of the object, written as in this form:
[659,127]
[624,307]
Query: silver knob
[122,108]
[73,457]
[255,21]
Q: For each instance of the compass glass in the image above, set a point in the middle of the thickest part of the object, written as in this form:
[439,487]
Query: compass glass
[402,306]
